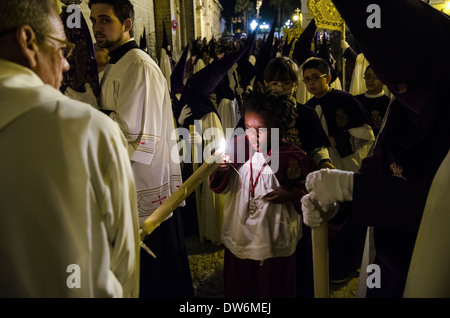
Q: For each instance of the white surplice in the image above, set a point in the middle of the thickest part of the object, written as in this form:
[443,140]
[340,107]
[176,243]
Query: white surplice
[273,231]
[166,66]
[67,195]
[136,91]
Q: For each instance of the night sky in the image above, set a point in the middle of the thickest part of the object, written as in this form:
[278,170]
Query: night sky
[267,12]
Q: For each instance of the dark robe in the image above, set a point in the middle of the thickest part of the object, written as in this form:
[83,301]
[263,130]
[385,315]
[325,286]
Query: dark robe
[342,111]
[308,133]
[391,187]
[377,107]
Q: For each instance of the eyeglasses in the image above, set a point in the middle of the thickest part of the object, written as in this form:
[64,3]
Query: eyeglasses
[313,78]
[67,50]
[283,85]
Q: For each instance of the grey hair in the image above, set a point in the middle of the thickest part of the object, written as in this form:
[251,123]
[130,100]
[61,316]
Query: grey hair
[34,13]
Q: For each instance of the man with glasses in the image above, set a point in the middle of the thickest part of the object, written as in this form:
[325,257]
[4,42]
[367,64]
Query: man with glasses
[67,194]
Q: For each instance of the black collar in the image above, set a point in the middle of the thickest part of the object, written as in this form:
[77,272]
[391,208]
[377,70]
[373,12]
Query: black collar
[118,53]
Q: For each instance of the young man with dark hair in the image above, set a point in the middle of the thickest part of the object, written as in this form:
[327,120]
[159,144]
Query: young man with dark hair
[135,93]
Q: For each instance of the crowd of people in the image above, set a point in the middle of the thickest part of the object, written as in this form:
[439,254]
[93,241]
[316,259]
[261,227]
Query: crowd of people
[101,130]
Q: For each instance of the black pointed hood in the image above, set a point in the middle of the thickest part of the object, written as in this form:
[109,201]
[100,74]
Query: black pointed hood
[200,86]
[265,54]
[178,74]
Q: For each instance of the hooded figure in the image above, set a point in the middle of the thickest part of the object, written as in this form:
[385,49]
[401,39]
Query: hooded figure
[166,61]
[390,190]
[206,217]
[83,64]
[264,55]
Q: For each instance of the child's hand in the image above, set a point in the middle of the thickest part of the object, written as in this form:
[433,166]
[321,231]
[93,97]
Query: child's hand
[225,164]
[279,196]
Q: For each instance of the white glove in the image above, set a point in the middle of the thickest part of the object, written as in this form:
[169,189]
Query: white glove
[330,185]
[88,97]
[185,113]
[195,138]
[312,216]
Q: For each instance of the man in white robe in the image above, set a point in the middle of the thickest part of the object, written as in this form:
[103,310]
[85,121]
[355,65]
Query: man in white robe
[135,92]
[67,195]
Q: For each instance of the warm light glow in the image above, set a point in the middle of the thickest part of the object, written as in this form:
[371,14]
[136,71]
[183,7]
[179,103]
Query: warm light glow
[295,17]
[447,6]
[222,146]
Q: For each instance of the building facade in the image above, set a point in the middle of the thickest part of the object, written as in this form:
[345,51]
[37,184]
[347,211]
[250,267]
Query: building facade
[184,21]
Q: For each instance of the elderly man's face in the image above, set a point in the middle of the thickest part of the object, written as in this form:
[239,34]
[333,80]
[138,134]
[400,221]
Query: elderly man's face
[50,59]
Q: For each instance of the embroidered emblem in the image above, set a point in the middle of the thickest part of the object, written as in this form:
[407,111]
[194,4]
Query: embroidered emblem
[293,137]
[377,119]
[294,171]
[397,170]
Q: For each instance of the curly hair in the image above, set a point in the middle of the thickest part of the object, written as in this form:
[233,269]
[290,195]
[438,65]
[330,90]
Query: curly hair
[282,108]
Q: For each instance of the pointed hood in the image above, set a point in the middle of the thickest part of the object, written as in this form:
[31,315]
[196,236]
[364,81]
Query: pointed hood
[201,85]
[247,70]
[324,53]
[302,47]
[143,42]
[287,46]
[178,73]
[165,43]
[407,47]
[265,54]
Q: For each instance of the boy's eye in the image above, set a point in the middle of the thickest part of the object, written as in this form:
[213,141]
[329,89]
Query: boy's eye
[313,78]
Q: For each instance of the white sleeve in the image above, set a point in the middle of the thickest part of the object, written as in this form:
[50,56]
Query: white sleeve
[121,220]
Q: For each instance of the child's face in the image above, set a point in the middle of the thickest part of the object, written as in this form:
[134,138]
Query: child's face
[258,130]
[316,82]
[373,84]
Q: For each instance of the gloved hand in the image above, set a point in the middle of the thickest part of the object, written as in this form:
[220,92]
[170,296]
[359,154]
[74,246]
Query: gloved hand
[88,97]
[312,215]
[326,186]
[185,113]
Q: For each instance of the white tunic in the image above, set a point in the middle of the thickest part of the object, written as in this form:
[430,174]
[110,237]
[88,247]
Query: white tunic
[273,231]
[136,91]
[67,195]
[210,212]
[429,274]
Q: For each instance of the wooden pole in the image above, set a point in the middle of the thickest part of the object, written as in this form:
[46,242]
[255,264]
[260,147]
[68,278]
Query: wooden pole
[319,236]
[194,168]
[168,206]
[343,60]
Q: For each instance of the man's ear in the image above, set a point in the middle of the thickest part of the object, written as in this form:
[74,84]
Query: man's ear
[328,78]
[26,40]
[128,24]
